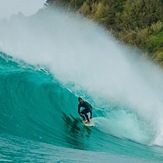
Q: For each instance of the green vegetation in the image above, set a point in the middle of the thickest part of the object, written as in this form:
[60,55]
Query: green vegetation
[136,22]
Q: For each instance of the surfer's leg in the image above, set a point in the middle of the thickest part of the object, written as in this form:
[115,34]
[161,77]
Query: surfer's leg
[83,112]
[86,115]
[83,117]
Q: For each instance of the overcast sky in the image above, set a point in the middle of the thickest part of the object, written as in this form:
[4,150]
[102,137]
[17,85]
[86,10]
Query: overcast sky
[27,7]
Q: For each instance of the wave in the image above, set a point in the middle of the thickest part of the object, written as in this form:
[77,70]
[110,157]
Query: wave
[53,57]
[36,106]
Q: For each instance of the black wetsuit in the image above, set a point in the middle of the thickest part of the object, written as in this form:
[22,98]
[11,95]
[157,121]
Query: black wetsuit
[88,108]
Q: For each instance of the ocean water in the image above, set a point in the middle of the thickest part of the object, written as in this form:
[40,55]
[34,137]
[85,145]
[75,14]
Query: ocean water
[49,59]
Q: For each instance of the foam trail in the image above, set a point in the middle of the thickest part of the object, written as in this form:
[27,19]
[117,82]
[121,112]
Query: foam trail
[79,51]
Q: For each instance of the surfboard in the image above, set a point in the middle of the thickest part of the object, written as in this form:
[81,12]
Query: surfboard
[89,125]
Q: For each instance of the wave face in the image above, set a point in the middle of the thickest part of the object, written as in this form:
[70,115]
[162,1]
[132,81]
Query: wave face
[51,58]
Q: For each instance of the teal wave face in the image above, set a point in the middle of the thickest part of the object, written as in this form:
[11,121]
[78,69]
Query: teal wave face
[36,106]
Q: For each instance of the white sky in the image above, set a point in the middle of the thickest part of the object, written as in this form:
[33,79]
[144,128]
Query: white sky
[27,7]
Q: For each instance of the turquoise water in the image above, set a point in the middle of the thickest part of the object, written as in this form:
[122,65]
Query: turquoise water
[49,59]
[38,117]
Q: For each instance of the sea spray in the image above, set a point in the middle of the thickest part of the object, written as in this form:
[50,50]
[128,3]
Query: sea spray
[78,51]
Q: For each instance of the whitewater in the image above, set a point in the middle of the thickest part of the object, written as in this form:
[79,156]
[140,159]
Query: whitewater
[47,61]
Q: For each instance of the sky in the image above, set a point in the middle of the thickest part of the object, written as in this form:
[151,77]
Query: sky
[27,7]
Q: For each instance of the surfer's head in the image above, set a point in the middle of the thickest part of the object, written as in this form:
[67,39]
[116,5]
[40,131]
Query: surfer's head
[80,100]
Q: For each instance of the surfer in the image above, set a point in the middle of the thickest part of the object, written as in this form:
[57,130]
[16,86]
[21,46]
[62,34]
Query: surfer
[87,109]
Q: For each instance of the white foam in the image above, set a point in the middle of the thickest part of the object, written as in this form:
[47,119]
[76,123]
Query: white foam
[125,125]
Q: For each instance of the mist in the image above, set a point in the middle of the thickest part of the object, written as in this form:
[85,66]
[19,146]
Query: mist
[80,52]
[14,7]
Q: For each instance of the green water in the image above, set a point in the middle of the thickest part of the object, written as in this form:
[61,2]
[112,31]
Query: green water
[37,108]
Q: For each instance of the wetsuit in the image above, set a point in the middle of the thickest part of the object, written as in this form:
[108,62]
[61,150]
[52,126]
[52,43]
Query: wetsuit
[88,108]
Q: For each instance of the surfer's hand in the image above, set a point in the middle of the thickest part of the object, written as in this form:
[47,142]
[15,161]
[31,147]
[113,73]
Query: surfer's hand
[81,114]
[90,117]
